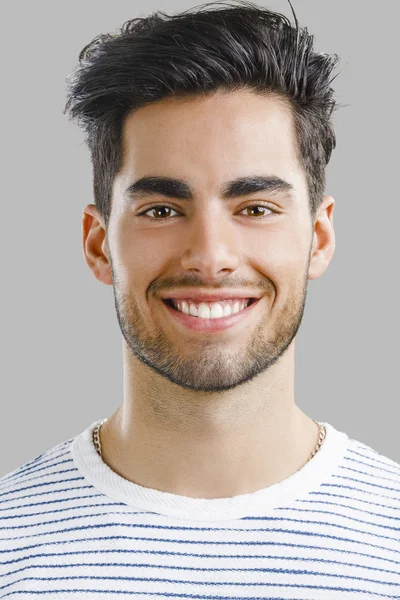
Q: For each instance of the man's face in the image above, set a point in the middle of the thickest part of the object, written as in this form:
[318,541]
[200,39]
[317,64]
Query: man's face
[209,243]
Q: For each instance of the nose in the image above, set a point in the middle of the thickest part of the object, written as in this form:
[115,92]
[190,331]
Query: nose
[211,246]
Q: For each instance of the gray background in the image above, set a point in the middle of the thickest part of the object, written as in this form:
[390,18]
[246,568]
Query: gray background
[61,349]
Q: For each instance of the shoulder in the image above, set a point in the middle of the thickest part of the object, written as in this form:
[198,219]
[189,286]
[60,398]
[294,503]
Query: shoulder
[365,472]
[364,455]
[39,501]
[40,475]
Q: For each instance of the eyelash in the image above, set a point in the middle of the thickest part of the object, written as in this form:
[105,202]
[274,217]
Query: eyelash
[153,206]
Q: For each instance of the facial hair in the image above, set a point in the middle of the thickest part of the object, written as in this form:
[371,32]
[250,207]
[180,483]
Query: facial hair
[210,365]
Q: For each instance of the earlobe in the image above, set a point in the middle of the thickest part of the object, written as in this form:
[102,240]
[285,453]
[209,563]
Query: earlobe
[323,244]
[95,246]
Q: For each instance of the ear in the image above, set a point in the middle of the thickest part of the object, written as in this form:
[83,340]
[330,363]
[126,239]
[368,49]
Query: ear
[95,244]
[323,244]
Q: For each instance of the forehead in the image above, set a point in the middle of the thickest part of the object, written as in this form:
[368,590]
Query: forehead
[212,139]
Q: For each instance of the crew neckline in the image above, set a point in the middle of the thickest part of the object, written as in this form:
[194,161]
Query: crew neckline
[258,503]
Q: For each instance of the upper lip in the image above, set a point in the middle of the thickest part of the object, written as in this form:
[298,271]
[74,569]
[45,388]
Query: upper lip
[205,296]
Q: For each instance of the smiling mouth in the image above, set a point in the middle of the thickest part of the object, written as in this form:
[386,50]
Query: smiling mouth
[170,302]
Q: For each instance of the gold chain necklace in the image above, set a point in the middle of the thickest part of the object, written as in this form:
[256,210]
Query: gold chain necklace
[321,437]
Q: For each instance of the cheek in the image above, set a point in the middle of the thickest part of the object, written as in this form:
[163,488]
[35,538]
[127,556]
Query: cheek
[139,256]
[285,250]
[281,256]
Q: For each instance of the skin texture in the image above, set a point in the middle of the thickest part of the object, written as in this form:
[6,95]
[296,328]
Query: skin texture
[209,415]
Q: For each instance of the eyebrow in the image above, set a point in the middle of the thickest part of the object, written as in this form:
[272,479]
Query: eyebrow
[179,189]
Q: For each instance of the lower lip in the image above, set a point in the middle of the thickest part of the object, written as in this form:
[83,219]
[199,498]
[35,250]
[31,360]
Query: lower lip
[210,325]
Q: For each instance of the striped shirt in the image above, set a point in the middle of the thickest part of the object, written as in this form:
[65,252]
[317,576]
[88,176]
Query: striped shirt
[73,528]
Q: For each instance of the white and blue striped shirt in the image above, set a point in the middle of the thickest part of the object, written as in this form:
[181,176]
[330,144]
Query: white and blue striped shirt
[70,527]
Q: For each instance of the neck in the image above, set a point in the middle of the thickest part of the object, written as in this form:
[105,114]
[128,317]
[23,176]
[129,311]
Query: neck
[207,445]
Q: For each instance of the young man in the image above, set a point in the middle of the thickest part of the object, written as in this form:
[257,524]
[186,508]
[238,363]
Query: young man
[209,133]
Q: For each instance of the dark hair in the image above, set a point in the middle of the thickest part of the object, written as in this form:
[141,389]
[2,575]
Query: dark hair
[236,46]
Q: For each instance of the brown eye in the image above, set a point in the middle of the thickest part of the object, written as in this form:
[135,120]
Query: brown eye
[158,212]
[258,210]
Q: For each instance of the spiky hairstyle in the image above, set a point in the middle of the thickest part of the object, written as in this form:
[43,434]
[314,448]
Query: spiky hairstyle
[215,46]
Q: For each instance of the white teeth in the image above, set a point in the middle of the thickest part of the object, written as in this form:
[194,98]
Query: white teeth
[227,310]
[216,311]
[211,310]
